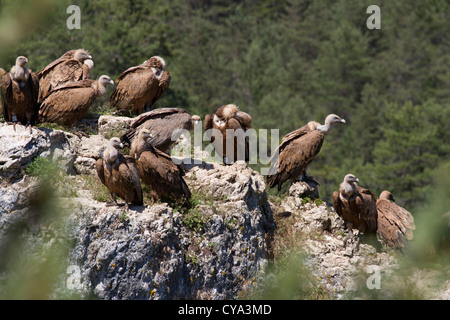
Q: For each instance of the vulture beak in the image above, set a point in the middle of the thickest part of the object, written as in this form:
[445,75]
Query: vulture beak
[111,82]
[121,145]
[356,180]
[89,56]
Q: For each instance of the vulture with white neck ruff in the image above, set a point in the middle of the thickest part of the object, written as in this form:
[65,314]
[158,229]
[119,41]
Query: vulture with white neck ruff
[139,87]
[158,171]
[120,174]
[19,91]
[74,65]
[68,104]
[356,206]
[297,150]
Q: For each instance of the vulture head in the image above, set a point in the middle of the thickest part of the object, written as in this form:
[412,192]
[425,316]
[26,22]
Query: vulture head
[386,195]
[157,65]
[82,55]
[105,80]
[21,61]
[145,134]
[350,178]
[195,120]
[329,121]
[115,143]
[349,187]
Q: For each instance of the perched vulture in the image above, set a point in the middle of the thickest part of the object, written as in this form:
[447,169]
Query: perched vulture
[138,87]
[296,151]
[158,171]
[74,65]
[19,91]
[68,104]
[356,206]
[395,224]
[120,174]
[229,117]
[165,124]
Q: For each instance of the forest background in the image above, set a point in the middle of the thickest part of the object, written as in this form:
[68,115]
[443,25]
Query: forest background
[285,63]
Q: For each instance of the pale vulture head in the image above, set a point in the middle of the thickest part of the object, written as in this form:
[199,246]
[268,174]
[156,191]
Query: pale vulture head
[115,142]
[329,121]
[351,178]
[105,80]
[81,55]
[145,134]
[21,61]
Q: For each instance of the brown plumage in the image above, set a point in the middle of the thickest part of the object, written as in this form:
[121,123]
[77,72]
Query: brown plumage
[158,171]
[120,174]
[139,87]
[69,67]
[297,150]
[395,224]
[165,124]
[68,104]
[18,94]
[356,206]
[229,117]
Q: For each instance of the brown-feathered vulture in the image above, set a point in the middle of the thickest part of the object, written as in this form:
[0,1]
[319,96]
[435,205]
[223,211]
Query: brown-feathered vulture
[165,124]
[68,104]
[395,224]
[120,174]
[297,150]
[157,170]
[229,117]
[139,87]
[74,65]
[356,206]
[19,91]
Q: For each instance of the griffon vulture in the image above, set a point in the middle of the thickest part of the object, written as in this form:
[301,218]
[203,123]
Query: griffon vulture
[296,151]
[138,87]
[19,91]
[120,174]
[158,171]
[68,104]
[395,224]
[74,65]
[356,206]
[165,124]
[229,117]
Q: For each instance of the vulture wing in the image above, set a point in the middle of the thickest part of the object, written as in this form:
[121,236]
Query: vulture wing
[162,123]
[100,170]
[367,209]
[395,224]
[163,176]
[64,57]
[134,88]
[5,95]
[164,82]
[294,154]
[68,104]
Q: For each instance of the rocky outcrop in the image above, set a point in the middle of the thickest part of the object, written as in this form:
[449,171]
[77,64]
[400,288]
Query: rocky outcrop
[216,249]
[148,252]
